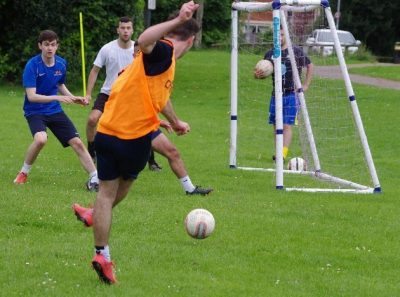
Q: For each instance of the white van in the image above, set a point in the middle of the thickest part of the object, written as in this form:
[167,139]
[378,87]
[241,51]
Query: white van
[321,41]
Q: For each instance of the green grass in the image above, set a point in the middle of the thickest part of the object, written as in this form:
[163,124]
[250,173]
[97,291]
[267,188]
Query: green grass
[386,72]
[266,242]
[360,57]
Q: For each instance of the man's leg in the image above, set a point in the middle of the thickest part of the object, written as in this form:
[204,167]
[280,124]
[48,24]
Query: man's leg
[153,165]
[162,145]
[110,193]
[85,214]
[290,109]
[39,141]
[91,126]
[287,139]
[83,154]
[87,163]
[103,211]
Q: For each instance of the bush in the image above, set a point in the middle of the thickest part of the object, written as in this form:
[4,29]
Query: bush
[5,65]
[363,54]
[23,21]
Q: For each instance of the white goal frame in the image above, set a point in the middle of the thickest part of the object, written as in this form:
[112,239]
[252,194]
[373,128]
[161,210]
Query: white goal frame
[278,7]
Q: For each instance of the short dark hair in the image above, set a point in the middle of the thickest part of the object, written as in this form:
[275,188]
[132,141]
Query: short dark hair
[47,35]
[125,19]
[186,30]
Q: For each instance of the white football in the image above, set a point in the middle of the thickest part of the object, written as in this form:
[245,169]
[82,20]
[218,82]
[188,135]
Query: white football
[297,164]
[265,66]
[199,223]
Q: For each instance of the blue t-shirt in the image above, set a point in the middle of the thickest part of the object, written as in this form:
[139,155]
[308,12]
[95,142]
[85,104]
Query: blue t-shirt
[287,74]
[46,81]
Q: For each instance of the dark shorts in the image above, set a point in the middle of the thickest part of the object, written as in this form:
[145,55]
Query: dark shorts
[121,158]
[58,123]
[155,134]
[290,106]
[100,102]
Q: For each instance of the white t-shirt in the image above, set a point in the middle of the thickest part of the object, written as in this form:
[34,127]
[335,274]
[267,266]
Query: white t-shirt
[114,58]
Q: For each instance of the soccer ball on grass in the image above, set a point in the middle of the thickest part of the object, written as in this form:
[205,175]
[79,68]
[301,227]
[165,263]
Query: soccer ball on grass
[297,164]
[199,223]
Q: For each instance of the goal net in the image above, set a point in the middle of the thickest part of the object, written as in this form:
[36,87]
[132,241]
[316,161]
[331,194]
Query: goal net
[328,133]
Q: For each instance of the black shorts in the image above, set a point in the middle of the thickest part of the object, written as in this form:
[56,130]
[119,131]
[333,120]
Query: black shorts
[154,134]
[100,102]
[121,158]
[58,123]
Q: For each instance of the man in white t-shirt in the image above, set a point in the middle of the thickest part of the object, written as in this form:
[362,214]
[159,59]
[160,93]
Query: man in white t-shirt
[114,56]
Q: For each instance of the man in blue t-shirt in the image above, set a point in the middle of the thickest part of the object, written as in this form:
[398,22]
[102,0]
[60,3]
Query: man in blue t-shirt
[43,78]
[290,103]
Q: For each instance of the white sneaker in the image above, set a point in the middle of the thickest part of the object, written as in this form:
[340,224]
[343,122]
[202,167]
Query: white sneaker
[92,186]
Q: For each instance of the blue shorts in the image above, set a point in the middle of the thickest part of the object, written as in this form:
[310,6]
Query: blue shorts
[121,158]
[290,106]
[59,124]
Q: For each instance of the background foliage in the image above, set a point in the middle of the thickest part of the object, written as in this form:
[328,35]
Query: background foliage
[23,20]
[216,18]
[375,23]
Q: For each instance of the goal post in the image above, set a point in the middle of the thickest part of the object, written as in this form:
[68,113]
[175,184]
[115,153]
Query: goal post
[316,146]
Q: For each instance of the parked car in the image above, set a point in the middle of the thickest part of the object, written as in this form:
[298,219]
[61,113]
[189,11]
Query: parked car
[321,41]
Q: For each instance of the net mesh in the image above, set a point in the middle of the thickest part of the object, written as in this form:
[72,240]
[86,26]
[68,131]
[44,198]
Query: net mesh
[338,145]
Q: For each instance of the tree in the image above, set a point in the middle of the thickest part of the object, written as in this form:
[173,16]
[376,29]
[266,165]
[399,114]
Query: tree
[375,22]
[22,20]
[216,18]
[199,18]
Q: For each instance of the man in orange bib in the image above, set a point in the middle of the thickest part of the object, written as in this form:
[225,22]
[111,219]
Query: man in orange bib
[123,139]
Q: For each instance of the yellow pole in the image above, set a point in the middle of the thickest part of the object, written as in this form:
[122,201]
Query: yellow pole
[83,55]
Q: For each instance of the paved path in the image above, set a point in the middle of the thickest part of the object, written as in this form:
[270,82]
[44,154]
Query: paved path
[335,73]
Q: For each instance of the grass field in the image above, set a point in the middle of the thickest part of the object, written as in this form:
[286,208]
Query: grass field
[387,72]
[266,242]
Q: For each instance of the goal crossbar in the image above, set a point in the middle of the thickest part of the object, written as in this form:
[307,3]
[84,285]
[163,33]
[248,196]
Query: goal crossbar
[265,6]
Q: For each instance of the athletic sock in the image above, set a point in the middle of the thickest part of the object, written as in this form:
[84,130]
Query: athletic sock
[26,168]
[187,184]
[285,152]
[103,250]
[93,177]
